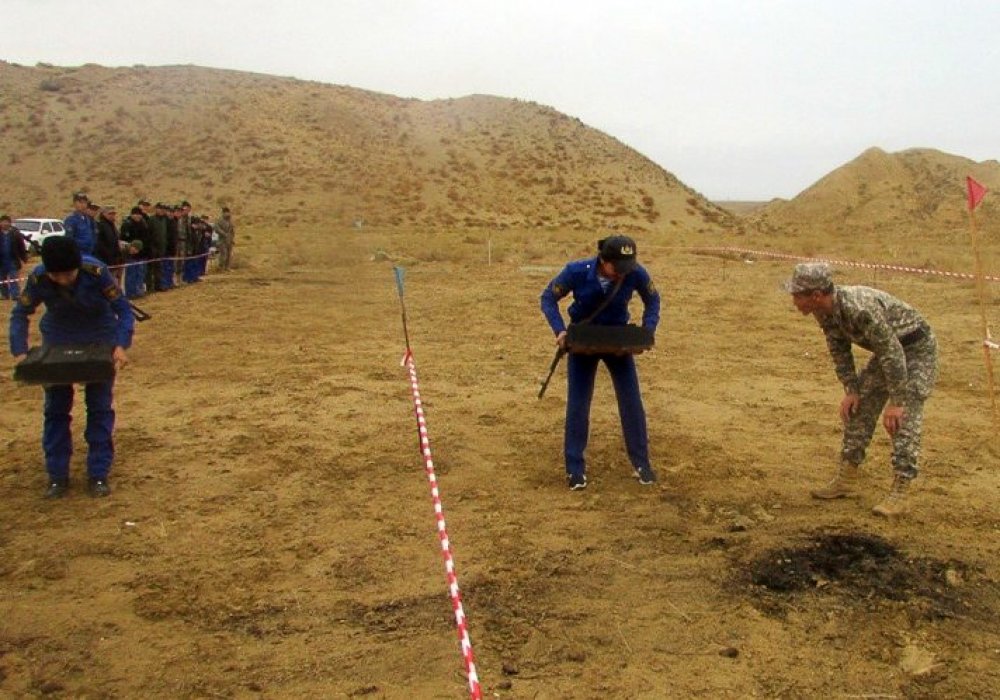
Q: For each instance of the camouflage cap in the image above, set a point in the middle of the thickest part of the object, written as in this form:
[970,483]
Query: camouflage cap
[810,277]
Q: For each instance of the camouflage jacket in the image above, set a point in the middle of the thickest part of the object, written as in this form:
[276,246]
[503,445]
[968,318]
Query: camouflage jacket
[875,321]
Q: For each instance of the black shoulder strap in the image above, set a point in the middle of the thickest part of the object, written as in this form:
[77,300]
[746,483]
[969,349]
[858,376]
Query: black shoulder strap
[604,304]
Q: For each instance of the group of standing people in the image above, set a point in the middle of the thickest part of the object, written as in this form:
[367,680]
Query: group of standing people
[896,381]
[157,247]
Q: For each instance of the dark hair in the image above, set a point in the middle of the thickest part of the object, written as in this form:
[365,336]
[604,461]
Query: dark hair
[60,254]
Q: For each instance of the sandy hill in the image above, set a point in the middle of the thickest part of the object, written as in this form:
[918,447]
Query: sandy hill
[282,150]
[913,193]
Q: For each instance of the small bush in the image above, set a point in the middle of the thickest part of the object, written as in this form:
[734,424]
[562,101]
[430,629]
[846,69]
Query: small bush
[50,85]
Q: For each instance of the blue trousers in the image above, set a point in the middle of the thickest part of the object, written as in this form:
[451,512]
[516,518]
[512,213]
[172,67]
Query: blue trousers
[581,372]
[57,441]
[191,270]
[167,274]
[135,280]
[9,290]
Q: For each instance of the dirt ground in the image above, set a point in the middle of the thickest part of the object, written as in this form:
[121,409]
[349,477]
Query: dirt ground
[271,532]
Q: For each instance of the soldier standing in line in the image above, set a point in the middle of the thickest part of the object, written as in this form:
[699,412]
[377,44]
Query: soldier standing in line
[144,206]
[227,238]
[107,249]
[13,254]
[157,248]
[135,233]
[79,226]
[899,376]
[172,250]
[199,229]
[184,247]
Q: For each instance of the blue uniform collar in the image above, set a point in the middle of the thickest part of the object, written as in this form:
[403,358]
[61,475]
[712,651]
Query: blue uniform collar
[595,276]
[592,271]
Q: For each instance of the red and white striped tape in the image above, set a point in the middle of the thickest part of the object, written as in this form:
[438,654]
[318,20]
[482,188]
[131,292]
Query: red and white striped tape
[847,263]
[180,258]
[475,691]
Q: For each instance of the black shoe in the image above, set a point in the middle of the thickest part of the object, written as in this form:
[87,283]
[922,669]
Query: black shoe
[646,476]
[57,488]
[99,488]
[577,482]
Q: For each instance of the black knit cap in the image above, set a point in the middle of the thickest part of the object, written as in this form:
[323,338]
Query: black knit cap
[61,254]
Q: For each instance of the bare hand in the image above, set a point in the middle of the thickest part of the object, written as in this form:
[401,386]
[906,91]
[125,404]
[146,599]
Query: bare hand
[849,406]
[18,358]
[892,418]
[561,340]
[119,357]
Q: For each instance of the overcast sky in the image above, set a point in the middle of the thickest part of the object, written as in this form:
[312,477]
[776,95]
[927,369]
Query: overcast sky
[739,99]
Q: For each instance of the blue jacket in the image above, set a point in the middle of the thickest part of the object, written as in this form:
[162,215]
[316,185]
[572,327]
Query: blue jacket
[12,251]
[82,229]
[92,310]
[580,278]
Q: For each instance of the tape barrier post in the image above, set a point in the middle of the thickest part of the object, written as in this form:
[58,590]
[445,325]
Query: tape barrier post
[976,193]
[475,691]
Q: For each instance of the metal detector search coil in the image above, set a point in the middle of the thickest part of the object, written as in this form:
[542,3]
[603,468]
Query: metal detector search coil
[590,339]
[66,364]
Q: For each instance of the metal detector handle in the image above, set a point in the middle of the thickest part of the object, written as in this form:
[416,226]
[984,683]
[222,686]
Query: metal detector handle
[562,350]
[552,370]
[139,314]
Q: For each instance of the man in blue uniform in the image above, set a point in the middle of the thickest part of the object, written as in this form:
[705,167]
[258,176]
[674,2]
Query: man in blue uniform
[83,305]
[603,284]
[13,254]
[81,227]
[136,233]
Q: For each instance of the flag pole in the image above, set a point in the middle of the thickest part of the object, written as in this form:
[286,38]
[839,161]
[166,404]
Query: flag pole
[976,193]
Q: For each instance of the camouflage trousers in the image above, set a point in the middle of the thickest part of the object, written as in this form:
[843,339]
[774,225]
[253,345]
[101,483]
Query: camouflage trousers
[921,369]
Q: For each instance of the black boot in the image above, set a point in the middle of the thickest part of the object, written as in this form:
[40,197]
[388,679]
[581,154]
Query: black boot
[57,488]
[99,488]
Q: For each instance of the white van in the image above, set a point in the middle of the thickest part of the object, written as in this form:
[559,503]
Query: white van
[37,230]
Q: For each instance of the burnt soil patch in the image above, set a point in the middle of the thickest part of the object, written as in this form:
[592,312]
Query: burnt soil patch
[865,569]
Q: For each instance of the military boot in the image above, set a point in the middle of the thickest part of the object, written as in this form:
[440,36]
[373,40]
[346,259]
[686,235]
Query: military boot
[842,485]
[895,503]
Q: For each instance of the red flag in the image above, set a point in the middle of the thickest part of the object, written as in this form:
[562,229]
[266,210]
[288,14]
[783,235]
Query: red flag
[976,193]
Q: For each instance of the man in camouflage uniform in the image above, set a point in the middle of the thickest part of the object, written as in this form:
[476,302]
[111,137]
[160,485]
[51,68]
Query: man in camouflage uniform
[227,238]
[899,376]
